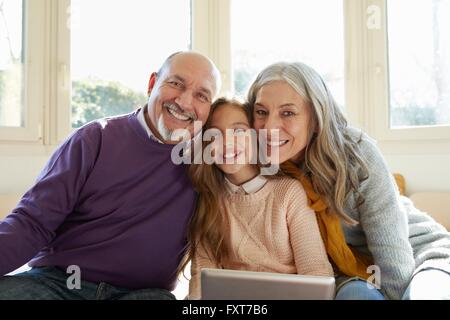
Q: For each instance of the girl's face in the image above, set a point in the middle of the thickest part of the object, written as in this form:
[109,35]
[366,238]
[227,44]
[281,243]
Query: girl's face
[279,106]
[232,152]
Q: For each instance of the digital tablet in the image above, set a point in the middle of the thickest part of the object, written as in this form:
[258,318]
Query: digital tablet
[223,284]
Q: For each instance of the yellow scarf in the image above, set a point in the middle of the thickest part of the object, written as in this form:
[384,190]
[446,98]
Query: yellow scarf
[349,262]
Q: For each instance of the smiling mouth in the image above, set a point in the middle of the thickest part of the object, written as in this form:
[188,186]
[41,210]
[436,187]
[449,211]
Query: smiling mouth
[231,156]
[174,111]
[277,143]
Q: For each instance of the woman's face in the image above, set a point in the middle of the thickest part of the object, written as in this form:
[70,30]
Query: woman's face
[279,106]
[233,152]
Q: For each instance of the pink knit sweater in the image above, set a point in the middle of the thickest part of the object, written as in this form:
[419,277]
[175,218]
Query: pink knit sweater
[272,230]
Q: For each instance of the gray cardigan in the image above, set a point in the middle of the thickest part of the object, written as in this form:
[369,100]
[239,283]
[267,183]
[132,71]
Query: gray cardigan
[401,239]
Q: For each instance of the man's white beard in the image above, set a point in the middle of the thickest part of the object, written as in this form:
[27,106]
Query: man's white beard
[165,133]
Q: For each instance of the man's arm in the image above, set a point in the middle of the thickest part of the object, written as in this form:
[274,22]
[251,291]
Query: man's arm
[33,223]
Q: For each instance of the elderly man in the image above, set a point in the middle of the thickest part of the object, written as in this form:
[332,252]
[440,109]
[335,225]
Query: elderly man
[108,215]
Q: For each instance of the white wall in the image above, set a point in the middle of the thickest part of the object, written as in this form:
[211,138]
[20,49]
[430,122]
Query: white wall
[424,164]
[422,172]
[18,173]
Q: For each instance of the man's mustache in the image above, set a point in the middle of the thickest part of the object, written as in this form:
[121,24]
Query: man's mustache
[175,107]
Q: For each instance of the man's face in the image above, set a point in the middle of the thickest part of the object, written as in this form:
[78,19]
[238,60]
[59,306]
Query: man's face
[181,95]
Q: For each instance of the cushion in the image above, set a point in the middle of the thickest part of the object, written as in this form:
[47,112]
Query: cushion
[436,204]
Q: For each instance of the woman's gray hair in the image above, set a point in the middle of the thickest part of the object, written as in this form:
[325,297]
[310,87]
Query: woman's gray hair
[306,82]
[332,157]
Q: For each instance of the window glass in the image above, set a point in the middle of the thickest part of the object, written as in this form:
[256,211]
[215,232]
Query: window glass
[419,62]
[266,31]
[115,46]
[11,63]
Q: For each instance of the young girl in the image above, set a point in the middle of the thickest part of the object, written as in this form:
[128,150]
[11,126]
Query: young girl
[244,220]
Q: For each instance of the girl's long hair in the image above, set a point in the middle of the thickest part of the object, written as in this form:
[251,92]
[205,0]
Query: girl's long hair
[209,220]
[333,160]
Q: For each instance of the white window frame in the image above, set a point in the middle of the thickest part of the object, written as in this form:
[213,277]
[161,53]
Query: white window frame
[369,100]
[209,41]
[48,104]
[62,110]
[33,81]
[211,35]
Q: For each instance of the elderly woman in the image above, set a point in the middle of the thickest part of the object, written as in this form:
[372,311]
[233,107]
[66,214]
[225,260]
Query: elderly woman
[365,224]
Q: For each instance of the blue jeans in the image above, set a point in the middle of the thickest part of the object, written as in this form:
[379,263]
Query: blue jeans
[50,283]
[358,290]
[429,284]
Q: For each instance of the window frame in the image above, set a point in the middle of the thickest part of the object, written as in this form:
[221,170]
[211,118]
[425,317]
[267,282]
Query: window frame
[374,95]
[62,77]
[33,81]
[214,40]
[48,105]
[62,109]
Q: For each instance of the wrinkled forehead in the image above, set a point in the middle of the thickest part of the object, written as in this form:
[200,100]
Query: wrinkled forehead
[194,69]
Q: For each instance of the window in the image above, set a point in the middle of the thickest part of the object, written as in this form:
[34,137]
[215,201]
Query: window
[64,63]
[22,84]
[11,63]
[419,62]
[264,32]
[112,56]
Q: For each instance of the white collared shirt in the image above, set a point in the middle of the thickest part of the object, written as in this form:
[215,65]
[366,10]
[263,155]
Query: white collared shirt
[251,186]
[141,119]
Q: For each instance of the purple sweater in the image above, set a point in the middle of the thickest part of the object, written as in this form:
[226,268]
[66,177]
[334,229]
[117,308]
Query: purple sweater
[109,200]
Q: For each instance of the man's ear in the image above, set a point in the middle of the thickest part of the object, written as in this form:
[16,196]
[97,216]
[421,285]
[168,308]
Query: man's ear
[151,82]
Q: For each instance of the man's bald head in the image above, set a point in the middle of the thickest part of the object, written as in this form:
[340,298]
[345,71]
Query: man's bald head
[193,56]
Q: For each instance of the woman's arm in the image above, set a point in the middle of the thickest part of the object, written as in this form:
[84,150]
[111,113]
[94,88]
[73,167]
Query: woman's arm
[309,251]
[199,261]
[384,221]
